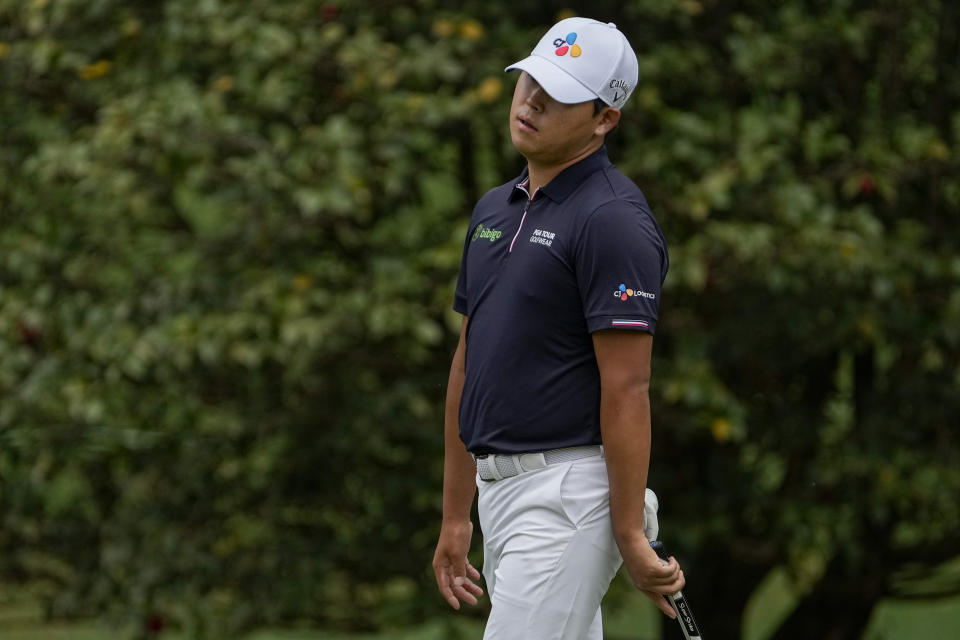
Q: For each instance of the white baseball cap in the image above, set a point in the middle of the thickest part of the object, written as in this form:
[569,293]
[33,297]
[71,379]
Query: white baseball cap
[579,59]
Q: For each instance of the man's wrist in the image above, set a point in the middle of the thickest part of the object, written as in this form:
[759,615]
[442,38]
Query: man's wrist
[630,537]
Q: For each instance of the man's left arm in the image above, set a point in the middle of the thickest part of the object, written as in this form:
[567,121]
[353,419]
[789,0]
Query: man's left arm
[623,358]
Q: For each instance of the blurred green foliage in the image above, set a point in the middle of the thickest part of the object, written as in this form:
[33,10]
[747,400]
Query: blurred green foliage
[229,234]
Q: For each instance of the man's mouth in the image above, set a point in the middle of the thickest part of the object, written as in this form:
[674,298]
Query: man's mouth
[526,124]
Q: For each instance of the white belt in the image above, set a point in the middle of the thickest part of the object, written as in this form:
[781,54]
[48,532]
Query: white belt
[497,466]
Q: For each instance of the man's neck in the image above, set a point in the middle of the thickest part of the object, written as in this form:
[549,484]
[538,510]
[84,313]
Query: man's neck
[541,174]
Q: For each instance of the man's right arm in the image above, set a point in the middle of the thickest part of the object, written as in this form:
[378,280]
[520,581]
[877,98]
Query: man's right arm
[453,572]
[459,468]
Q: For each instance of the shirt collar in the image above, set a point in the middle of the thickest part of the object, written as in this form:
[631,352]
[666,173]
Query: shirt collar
[567,180]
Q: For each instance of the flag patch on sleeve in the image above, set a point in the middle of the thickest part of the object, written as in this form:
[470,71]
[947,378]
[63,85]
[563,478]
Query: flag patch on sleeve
[629,323]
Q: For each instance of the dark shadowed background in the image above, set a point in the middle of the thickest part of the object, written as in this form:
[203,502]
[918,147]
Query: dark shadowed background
[229,235]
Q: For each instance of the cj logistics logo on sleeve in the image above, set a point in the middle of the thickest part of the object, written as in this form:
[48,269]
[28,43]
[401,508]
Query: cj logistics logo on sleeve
[623,293]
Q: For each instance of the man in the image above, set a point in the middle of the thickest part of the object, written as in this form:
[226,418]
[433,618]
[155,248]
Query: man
[559,287]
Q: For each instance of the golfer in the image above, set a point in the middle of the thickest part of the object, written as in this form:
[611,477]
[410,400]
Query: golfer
[547,408]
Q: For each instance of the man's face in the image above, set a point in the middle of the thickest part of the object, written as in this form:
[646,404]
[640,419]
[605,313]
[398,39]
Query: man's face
[549,132]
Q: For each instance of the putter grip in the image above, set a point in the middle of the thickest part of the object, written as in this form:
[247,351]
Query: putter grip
[660,550]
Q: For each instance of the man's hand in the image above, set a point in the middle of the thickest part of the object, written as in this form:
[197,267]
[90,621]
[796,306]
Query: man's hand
[650,575]
[454,573]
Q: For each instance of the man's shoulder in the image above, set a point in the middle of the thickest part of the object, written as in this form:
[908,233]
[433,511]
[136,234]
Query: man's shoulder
[621,186]
[612,203]
[608,189]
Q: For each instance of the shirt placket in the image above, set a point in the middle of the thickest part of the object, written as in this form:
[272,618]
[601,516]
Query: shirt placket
[526,209]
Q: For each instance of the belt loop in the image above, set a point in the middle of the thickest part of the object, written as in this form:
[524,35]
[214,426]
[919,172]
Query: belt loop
[492,468]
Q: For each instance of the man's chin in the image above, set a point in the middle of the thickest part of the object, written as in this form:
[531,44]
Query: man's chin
[522,143]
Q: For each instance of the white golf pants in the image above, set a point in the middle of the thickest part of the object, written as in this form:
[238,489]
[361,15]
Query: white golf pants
[549,552]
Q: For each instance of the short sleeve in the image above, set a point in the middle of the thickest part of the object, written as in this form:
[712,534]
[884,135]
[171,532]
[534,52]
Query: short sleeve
[622,261]
[460,294]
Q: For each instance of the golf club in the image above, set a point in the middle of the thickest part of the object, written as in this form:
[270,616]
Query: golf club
[678,601]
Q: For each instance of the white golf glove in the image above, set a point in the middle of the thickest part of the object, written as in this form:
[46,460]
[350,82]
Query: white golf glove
[650,525]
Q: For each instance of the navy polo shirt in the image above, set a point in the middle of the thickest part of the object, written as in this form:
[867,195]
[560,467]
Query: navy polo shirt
[539,275]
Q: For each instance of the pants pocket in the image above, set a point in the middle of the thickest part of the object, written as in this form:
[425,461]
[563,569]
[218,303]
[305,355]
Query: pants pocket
[585,491]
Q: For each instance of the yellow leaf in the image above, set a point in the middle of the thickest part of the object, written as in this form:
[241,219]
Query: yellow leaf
[4,49]
[936,150]
[563,14]
[223,84]
[98,69]
[720,429]
[302,282]
[489,89]
[471,30]
[848,249]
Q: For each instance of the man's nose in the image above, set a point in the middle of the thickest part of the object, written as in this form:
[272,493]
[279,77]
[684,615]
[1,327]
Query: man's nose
[536,98]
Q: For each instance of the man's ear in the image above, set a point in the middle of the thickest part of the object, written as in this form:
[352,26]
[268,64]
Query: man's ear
[607,119]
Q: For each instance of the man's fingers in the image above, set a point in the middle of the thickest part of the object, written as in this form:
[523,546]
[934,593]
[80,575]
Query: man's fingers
[672,584]
[463,594]
[681,583]
[668,587]
[445,584]
[468,591]
[473,573]
[661,603]
[665,574]
[473,588]
[459,571]
[455,589]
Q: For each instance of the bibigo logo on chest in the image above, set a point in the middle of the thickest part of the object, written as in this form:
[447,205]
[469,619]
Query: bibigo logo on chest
[486,233]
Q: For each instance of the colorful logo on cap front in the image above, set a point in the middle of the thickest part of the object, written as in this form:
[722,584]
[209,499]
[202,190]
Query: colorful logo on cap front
[565,45]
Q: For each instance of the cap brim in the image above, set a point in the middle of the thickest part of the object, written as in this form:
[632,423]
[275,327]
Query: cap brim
[561,86]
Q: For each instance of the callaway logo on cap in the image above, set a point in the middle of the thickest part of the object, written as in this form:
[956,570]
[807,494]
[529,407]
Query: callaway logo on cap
[579,59]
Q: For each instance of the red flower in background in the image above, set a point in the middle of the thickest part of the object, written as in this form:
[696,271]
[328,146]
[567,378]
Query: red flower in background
[155,624]
[28,335]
